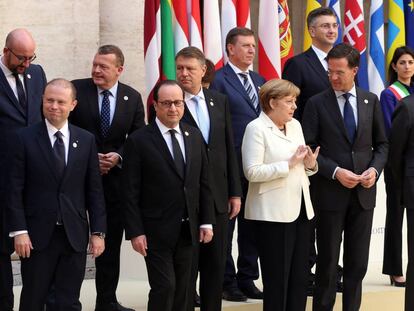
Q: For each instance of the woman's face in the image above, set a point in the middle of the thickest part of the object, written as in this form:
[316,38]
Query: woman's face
[404,67]
[282,109]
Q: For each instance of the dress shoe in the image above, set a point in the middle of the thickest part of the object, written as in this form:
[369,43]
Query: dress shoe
[197,302]
[113,306]
[252,292]
[233,294]
[396,283]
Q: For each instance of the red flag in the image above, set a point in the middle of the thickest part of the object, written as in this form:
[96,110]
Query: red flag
[243,13]
[180,24]
[195,25]
[212,40]
[285,33]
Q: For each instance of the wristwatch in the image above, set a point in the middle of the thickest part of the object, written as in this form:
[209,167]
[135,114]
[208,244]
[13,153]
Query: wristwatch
[99,234]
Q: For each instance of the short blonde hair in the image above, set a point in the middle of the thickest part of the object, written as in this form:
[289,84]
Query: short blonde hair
[276,88]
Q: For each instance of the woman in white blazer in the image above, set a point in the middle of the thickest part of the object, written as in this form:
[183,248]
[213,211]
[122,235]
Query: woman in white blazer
[277,164]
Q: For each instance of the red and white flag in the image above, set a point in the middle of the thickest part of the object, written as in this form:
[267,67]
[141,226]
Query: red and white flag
[180,25]
[193,11]
[234,13]
[212,33]
[152,45]
[285,33]
[269,42]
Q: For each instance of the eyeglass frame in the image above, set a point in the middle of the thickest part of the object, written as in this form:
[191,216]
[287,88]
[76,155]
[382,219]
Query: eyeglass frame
[21,58]
[167,104]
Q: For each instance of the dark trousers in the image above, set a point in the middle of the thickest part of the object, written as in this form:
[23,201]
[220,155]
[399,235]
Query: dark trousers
[169,272]
[284,252]
[356,224]
[6,283]
[247,265]
[210,260]
[409,288]
[108,264]
[392,262]
[58,264]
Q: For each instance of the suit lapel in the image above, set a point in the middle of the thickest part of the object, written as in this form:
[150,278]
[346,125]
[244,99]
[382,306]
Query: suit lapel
[161,145]
[212,113]
[234,80]
[188,147]
[362,108]
[73,150]
[314,62]
[121,101]
[92,100]
[335,113]
[47,150]
[28,83]
[6,86]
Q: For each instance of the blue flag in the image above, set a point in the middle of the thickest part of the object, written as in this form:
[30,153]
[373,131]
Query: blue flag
[336,7]
[409,22]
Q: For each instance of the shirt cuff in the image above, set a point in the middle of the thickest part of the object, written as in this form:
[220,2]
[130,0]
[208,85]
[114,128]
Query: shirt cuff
[15,233]
[120,160]
[206,226]
[334,173]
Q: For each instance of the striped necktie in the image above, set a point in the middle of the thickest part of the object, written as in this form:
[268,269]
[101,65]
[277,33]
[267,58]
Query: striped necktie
[249,90]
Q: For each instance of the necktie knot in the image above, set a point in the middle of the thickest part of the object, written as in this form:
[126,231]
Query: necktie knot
[346,96]
[244,75]
[106,93]
[58,135]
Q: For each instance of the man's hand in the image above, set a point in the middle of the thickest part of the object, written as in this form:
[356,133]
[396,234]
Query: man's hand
[139,244]
[96,245]
[23,245]
[206,235]
[347,178]
[107,161]
[368,178]
[234,207]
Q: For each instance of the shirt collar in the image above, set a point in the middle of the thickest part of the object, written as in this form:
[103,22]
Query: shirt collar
[165,129]
[188,96]
[236,69]
[352,91]
[113,90]
[52,130]
[6,71]
[319,53]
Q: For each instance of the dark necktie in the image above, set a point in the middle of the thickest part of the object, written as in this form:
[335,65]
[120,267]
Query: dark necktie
[250,91]
[349,118]
[105,114]
[177,154]
[21,95]
[59,154]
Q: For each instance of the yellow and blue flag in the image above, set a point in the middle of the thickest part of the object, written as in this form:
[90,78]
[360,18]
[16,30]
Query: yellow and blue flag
[310,6]
[396,27]
[409,22]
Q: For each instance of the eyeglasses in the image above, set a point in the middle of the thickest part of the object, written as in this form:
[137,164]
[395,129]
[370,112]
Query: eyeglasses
[168,103]
[23,59]
[327,26]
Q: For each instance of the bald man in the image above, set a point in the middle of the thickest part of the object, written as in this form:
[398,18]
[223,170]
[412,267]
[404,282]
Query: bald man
[21,88]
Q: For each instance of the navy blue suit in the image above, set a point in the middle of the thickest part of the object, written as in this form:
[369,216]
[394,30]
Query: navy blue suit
[13,117]
[36,196]
[242,111]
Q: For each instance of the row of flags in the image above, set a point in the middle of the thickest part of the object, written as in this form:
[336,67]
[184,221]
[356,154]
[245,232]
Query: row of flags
[170,25]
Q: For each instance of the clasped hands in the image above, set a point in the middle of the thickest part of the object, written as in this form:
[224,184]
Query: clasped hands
[350,180]
[304,154]
[107,161]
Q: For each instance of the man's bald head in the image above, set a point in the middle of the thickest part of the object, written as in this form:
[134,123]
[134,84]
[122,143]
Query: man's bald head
[19,50]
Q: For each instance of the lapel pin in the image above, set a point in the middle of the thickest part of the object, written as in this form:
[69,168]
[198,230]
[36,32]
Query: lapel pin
[211,103]
[28,76]
[75,144]
[258,87]
[125,97]
[366,101]
[186,133]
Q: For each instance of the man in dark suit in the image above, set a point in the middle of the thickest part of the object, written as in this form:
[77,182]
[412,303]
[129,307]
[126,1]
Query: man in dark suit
[17,76]
[241,86]
[309,72]
[111,111]
[168,204]
[346,122]
[401,162]
[209,111]
[54,189]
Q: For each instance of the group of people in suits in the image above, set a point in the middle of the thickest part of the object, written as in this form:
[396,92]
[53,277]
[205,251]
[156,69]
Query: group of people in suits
[80,167]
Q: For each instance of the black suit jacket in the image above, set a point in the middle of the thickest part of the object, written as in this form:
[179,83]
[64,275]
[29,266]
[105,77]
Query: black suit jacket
[155,195]
[307,73]
[323,126]
[12,118]
[401,154]
[222,160]
[128,116]
[36,193]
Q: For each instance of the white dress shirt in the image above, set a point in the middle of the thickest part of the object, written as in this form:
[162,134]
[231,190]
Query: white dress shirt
[237,70]
[10,78]
[321,56]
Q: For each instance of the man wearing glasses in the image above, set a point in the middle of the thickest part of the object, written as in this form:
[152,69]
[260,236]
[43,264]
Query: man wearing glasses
[168,206]
[21,88]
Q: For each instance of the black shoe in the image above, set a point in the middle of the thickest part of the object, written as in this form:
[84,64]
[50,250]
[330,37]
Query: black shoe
[233,294]
[396,283]
[252,292]
[197,302]
[113,306]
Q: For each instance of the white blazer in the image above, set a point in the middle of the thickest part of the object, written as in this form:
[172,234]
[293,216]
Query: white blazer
[275,191]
